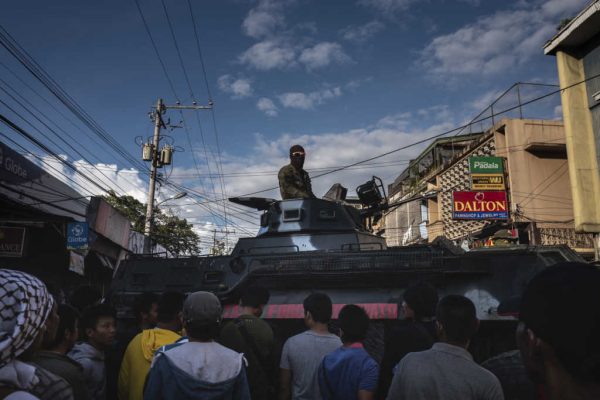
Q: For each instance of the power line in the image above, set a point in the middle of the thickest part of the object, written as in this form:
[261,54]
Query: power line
[75,183]
[54,132]
[447,132]
[22,132]
[19,53]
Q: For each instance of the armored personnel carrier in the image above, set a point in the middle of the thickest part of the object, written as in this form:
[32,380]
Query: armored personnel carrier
[306,245]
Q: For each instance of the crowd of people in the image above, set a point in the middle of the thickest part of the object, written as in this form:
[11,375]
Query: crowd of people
[181,349]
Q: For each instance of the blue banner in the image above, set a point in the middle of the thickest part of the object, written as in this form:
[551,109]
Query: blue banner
[77,235]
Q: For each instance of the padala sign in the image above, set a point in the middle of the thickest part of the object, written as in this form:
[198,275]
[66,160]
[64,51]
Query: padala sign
[479,205]
[486,165]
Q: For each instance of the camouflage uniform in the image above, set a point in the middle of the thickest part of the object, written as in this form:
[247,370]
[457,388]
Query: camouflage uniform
[294,184]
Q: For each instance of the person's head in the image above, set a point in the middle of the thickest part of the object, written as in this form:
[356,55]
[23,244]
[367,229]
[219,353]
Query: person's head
[559,324]
[25,307]
[297,156]
[254,298]
[67,333]
[457,320]
[84,297]
[202,316]
[98,326]
[317,309]
[145,309]
[354,323]
[52,324]
[169,312]
[420,301]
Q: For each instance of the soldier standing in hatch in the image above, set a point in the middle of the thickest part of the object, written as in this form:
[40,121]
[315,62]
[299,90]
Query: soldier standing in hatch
[294,182]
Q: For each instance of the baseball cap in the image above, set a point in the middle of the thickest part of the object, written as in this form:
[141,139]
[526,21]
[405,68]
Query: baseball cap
[202,307]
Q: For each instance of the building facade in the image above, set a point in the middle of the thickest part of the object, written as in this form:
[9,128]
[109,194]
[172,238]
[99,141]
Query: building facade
[536,181]
[407,223]
[577,50]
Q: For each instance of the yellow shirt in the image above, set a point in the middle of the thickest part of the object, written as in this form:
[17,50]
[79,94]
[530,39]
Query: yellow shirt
[137,360]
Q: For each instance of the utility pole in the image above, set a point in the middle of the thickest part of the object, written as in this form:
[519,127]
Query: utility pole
[218,247]
[158,160]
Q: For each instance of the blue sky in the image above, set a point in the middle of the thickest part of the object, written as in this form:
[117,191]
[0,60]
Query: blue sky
[347,79]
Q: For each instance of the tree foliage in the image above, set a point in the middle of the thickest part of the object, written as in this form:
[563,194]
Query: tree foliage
[563,22]
[170,231]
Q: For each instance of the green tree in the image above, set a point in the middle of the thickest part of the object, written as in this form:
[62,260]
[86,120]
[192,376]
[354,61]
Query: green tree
[563,22]
[170,231]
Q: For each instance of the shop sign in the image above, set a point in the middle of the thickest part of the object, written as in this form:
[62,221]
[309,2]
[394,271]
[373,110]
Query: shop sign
[77,235]
[479,205]
[486,165]
[14,168]
[12,241]
[487,182]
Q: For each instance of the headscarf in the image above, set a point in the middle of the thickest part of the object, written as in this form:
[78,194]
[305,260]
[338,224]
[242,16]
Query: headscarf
[25,304]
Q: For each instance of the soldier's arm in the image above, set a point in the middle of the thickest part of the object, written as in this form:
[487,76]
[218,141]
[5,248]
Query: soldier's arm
[309,192]
[287,185]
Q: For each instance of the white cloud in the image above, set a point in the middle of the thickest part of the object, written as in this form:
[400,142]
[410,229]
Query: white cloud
[485,100]
[263,20]
[388,7]
[323,54]
[269,54]
[395,121]
[238,88]
[307,101]
[558,113]
[267,106]
[496,42]
[362,33]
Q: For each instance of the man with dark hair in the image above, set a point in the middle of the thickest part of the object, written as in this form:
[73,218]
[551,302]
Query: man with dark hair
[145,310]
[302,354]
[250,335]
[97,325]
[294,182]
[139,353]
[54,356]
[447,370]
[200,368]
[350,373]
[415,333]
[558,331]
[145,313]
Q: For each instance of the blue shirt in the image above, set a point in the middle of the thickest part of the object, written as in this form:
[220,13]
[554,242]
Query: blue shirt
[346,371]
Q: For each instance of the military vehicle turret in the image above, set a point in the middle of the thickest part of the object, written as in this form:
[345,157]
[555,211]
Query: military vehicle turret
[306,245]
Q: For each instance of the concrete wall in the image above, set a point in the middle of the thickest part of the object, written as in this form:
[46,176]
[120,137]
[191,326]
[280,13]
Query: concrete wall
[538,173]
[581,143]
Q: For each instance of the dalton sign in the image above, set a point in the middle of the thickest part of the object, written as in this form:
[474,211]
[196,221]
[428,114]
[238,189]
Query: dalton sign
[479,205]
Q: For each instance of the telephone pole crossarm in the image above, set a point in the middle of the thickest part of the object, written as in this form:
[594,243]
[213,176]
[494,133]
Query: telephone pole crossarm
[209,107]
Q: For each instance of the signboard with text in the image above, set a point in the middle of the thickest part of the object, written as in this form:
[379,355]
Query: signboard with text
[14,168]
[487,182]
[487,173]
[12,240]
[486,165]
[479,205]
[77,235]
